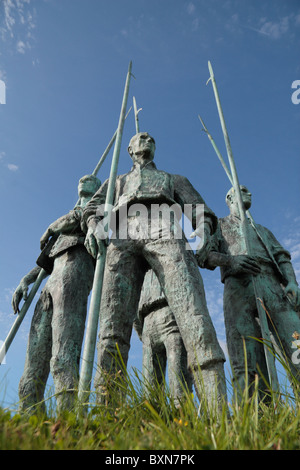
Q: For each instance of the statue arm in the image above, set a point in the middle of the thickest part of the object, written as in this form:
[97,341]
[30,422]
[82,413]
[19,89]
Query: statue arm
[215,259]
[186,195]
[65,224]
[292,287]
[138,326]
[238,264]
[22,289]
[92,208]
[283,259]
[203,219]
[91,222]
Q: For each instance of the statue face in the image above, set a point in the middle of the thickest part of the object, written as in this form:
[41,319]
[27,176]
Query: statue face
[87,186]
[142,147]
[246,197]
[232,202]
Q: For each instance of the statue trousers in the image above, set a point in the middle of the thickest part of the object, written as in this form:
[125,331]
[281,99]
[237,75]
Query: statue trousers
[163,347]
[242,324]
[176,268]
[57,329]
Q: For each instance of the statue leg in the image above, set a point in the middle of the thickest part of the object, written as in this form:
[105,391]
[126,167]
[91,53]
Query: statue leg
[122,283]
[37,364]
[71,283]
[285,322]
[154,352]
[246,353]
[180,379]
[178,273]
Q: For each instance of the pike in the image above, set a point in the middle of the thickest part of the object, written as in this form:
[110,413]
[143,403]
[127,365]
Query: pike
[136,112]
[21,315]
[275,264]
[93,316]
[244,223]
[43,274]
[227,171]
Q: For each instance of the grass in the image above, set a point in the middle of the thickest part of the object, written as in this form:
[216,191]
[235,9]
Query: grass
[156,424]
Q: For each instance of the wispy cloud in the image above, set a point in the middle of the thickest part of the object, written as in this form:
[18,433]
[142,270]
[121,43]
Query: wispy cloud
[18,16]
[292,243]
[9,166]
[12,167]
[21,47]
[191,8]
[283,26]
[274,30]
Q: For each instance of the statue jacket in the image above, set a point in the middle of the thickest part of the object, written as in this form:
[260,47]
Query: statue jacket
[58,245]
[152,296]
[147,185]
[264,246]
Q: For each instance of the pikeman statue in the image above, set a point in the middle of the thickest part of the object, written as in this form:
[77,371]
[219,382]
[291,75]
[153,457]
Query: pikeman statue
[128,258]
[57,327]
[280,293]
[261,293]
[163,348]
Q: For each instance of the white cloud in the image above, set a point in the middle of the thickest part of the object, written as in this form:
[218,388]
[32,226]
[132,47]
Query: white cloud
[9,20]
[17,13]
[191,8]
[2,75]
[195,24]
[295,251]
[12,167]
[264,26]
[292,243]
[274,30]
[21,47]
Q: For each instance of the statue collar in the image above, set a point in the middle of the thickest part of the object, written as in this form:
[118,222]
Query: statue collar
[148,165]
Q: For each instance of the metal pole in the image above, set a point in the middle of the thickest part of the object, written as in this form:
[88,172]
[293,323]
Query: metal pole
[93,316]
[43,274]
[244,223]
[17,323]
[281,276]
[217,151]
[106,151]
[136,112]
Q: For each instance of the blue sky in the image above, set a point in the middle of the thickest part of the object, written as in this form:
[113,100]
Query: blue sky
[64,63]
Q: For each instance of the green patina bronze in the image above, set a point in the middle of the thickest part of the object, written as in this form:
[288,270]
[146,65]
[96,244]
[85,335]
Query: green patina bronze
[58,322]
[176,268]
[242,321]
[163,347]
[152,281]
[245,235]
[100,255]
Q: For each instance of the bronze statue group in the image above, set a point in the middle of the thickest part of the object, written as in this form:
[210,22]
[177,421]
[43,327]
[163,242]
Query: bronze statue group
[152,283]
